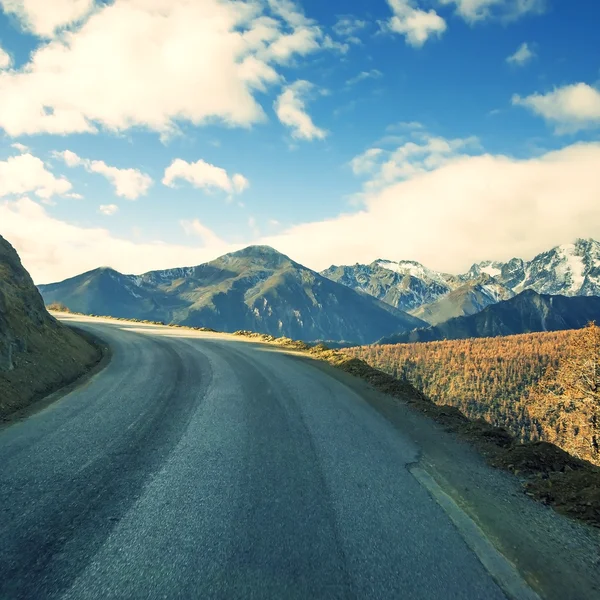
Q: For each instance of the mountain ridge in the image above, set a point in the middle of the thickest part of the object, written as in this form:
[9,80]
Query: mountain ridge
[526,312]
[568,269]
[256,288]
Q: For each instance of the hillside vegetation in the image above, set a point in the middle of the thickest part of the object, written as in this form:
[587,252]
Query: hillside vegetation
[37,353]
[531,384]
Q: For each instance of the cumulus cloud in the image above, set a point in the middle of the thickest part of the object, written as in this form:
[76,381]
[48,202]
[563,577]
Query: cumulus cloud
[27,174]
[108,209]
[204,175]
[468,209]
[479,10]
[290,107]
[348,25]
[22,148]
[366,162]
[522,56]
[417,153]
[52,249]
[372,74]
[5,59]
[44,17]
[149,63]
[415,24]
[570,108]
[128,183]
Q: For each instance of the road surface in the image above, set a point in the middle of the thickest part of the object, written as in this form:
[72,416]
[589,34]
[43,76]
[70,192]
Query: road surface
[203,466]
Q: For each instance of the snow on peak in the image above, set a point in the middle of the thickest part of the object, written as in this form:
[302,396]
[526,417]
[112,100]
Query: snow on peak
[412,268]
[571,266]
[491,270]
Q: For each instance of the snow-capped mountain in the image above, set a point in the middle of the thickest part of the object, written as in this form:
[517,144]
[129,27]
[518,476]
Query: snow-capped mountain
[568,270]
[406,285]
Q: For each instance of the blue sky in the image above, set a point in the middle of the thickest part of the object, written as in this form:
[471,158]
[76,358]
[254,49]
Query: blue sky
[153,133]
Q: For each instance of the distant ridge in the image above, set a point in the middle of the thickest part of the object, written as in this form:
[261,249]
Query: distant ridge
[525,313]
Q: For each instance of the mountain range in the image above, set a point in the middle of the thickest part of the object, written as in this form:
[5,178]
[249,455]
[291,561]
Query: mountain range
[263,290]
[257,289]
[527,312]
[568,270]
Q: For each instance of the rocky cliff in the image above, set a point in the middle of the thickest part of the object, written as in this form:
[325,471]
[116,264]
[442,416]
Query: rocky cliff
[37,353]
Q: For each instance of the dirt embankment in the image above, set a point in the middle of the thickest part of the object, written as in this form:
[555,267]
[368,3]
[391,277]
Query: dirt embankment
[38,354]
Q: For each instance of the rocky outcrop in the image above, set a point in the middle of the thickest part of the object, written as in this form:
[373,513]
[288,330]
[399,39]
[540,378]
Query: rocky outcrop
[37,353]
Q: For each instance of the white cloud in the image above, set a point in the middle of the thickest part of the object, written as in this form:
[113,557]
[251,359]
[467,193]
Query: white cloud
[240,183]
[290,107]
[204,175]
[570,108]
[471,208]
[45,17]
[128,183]
[522,56]
[22,148]
[109,209]
[417,154]
[149,63]
[53,250]
[348,26]
[415,24]
[27,174]
[508,10]
[366,162]
[5,59]
[209,238]
[372,74]
[70,158]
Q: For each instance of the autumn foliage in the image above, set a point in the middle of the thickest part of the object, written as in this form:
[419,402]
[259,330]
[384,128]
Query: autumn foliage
[564,406]
[540,386]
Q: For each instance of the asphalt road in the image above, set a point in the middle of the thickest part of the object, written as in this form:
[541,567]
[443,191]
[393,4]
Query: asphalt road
[202,466]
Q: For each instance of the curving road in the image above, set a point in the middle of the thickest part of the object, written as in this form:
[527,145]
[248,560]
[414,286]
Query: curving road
[203,466]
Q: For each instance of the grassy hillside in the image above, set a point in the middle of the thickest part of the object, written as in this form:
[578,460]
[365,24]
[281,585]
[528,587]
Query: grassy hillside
[37,353]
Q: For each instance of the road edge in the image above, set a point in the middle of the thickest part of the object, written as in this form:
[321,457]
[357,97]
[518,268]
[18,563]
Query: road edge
[496,564]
